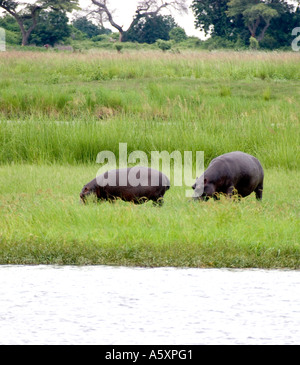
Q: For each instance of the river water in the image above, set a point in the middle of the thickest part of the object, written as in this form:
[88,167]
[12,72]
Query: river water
[135,306]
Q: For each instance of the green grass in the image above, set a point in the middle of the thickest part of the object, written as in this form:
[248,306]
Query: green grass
[57,111]
[161,115]
[43,222]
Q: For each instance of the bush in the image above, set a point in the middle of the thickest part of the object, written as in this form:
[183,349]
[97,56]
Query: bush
[217,42]
[101,38]
[164,45]
[253,43]
[76,34]
[269,42]
[118,47]
[13,38]
[239,44]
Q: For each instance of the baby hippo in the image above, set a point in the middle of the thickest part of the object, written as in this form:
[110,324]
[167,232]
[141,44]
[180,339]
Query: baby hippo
[134,184]
[234,171]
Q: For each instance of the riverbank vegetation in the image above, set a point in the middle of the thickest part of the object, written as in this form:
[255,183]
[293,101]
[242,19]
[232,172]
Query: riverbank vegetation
[42,222]
[58,110]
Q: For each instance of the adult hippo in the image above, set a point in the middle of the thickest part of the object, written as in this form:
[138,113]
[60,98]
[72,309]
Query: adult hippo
[233,171]
[135,184]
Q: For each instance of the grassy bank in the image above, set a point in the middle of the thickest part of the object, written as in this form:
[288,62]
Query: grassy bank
[57,111]
[42,221]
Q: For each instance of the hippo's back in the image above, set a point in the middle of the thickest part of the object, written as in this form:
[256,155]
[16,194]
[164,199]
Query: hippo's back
[132,177]
[237,163]
[133,183]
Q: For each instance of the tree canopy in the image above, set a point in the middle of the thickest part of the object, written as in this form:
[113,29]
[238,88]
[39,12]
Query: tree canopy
[88,27]
[270,22]
[52,28]
[177,34]
[255,13]
[27,14]
[211,18]
[151,28]
[145,9]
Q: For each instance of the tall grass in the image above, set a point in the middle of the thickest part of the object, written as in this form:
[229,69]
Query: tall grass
[58,111]
[66,124]
[53,68]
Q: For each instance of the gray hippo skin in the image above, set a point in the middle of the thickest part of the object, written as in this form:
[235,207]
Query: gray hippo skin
[231,171]
[135,184]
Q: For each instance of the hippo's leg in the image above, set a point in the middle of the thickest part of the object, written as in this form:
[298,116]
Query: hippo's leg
[259,191]
[141,200]
[158,202]
[233,193]
[230,191]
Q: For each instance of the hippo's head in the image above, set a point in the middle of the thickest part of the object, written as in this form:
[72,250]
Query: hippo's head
[88,189]
[203,189]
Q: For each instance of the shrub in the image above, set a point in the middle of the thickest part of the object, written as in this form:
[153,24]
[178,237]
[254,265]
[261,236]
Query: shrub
[101,38]
[13,38]
[253,43]
[217,42]
[118,47]
[164,45]
[239,44]
[269,42]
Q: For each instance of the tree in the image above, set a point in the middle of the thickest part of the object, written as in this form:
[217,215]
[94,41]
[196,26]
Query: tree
[145,8]
[12,34]
[27,15]
[52,28]
[151,28]
[279,34]
[257,15]
[178,34]
[211,18]
[9,23]
[88,27]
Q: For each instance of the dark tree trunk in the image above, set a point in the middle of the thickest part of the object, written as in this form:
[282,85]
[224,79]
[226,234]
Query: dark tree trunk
[26,33]
[253,27]
[262,34]
[20,21]
[143,10]
[121,35]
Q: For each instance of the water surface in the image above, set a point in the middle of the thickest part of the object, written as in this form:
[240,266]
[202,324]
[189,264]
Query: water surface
[117,305]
